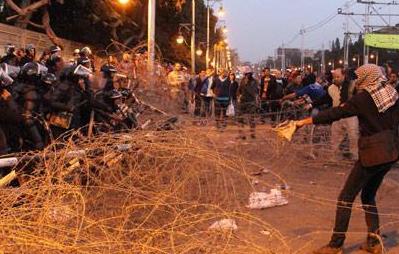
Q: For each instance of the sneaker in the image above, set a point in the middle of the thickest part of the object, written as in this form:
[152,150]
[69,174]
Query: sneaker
[374,249]
[328,250]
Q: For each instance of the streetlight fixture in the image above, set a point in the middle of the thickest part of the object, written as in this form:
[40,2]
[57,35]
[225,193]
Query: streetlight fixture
[221,12]
[341,62]
[372,56]
[199,52]
[180,39]
[354,59]
[329,63]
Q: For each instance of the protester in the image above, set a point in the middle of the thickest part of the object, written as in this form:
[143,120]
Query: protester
[248,96]
[393,80]
[198,100]
[178,84]
[207,93]
[264,92]
[221,90]
[295,84]
[233,89]
[376,105]
[340,91]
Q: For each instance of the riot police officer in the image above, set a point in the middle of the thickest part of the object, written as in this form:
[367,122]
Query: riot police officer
[29,97]
[70,101]
[30,55]
[10,114]
[108,73]
[10,57]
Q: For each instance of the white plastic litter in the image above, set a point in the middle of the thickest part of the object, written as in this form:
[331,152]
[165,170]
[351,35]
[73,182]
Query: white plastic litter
[262,200]
[265,171]
[230,110]
[265,232]
[223,225]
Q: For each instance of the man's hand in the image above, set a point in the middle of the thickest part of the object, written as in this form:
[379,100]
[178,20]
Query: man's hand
[306,121]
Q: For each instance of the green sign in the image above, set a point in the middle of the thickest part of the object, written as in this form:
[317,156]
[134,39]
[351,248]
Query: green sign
[386,41]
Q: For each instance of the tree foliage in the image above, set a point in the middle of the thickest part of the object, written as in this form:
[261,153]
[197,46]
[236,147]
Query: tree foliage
[97,22]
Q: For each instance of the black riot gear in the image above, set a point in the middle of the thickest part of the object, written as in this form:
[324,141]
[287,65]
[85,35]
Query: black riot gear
[30,55]
[108,71]
[10,57]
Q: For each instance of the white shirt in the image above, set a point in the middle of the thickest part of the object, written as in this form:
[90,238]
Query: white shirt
[335,93]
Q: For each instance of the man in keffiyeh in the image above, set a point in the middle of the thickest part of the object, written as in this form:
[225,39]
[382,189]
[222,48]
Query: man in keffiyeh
[377,108]
[372,80]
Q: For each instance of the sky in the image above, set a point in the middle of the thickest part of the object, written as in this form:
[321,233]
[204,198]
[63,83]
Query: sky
[258,27]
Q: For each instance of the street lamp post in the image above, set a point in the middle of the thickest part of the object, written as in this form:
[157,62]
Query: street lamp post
[151,36]
[208,31]
[193,39]
[180,40]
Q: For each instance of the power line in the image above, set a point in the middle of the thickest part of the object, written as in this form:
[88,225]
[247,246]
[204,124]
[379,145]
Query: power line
[318,25]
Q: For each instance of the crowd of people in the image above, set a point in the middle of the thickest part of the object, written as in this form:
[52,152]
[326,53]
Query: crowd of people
[361,105]
[270,96]
[43,98]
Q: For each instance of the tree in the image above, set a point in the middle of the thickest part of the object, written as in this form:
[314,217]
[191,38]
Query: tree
[337,45]
[97,22]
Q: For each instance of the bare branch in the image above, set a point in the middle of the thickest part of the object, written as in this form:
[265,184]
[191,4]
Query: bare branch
[36,25]
[28,9]
[49,31]
[14,7]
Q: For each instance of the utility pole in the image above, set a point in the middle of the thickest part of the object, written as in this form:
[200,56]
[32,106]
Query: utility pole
[151,36]
[366,49]
[323,60]
[208,34]
[346,39]
[302,33]
[193,39]
[367,27]
[283,65]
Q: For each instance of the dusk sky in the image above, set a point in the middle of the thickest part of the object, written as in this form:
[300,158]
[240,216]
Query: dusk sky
[258,27]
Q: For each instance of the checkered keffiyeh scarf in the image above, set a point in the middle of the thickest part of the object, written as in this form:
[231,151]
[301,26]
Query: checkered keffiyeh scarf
[372,80]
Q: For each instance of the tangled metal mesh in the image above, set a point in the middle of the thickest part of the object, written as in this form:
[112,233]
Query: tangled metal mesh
[158,193]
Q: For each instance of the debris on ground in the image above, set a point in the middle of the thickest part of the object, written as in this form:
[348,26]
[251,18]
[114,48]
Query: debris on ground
[262,200]
[224,225]
[286,130]
[8,179]
[265,232]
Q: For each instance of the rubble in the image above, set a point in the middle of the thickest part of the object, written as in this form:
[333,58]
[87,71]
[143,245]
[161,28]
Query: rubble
[262,200]
[223,225]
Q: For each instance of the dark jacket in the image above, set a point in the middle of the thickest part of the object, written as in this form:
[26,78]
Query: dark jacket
[275,89]
[68,97]
[362,106]
[248,91]
[221,88]
[26,59]
[10,59]
[199,83]
[346,90]
[233,90]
